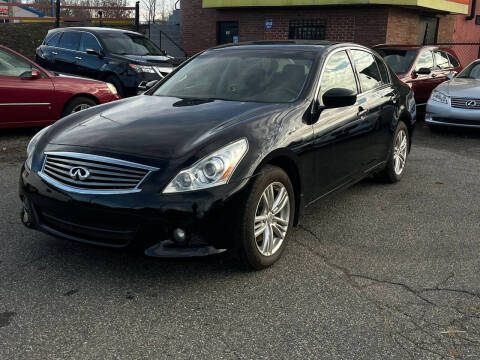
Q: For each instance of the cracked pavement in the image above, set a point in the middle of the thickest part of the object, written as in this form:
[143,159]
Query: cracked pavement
[375,272]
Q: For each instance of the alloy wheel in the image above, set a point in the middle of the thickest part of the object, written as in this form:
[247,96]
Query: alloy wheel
[400,152]
[271,219]
[80,107]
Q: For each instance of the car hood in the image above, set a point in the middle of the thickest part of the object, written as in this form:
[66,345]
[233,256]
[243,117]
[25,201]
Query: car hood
[153,126]
[460,87]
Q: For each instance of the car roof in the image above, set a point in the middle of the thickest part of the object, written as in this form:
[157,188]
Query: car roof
[315,45]
[405,46]
[95,30]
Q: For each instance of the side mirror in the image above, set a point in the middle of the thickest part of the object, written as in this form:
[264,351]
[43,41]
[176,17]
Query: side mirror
[451,75]
[145,86]
[31,75]
[423,71]
[338,97]
[98,53]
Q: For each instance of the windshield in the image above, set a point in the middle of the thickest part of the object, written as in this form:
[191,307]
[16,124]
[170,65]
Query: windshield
[130,44]
[399,60]
[274,76]
[472,71]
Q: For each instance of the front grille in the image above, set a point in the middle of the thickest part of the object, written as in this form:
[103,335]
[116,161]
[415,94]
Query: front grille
[457,121]
[85,173]
[466,103]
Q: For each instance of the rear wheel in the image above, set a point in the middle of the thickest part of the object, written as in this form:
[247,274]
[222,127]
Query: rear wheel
[397,159]
[78,104]
[267,219]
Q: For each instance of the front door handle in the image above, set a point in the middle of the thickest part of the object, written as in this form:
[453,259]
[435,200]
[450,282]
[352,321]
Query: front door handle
[78,58]
[434,75]
[54,53]
[362,112]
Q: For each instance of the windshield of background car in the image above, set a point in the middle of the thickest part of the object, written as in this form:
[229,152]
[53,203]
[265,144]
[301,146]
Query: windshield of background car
[129,44]
[399,60]
[472,71]
[273,76]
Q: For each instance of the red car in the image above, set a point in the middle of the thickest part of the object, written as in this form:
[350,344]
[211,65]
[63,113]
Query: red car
[33,96]
[423,68]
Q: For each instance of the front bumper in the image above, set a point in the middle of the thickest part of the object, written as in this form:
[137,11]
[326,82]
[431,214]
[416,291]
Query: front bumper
[141,219]
[442,114]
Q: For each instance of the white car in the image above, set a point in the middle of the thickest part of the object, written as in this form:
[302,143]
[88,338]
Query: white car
[456,102]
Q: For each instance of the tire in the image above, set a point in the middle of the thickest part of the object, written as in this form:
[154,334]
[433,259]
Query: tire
[390,173]
[77,104]
[254,252]
[112,79]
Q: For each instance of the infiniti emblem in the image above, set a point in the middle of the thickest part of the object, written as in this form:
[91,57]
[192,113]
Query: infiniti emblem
[79,173]
[471,103]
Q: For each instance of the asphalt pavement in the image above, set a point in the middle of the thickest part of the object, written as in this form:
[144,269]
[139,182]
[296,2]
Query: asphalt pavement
[375,272]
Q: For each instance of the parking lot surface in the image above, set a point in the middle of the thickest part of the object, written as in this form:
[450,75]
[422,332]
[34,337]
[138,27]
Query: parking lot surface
[375,272]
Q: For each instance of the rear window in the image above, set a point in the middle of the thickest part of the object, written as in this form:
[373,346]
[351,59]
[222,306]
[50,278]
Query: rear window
[70,40]
[399,60]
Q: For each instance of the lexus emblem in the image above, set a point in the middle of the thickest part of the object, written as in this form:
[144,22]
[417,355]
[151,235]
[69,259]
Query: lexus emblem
[79,173]
[471,103]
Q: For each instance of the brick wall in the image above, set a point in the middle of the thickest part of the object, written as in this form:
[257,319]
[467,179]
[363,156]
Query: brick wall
[362,24]
[403,26]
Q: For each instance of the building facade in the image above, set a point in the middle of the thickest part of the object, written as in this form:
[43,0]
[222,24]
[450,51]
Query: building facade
[206,23]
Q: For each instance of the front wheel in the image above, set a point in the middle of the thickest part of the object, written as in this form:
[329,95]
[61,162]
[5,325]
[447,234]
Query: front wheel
[267,219]
[397,158]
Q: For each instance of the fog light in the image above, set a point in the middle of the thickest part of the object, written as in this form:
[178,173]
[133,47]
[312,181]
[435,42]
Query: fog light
[179,235]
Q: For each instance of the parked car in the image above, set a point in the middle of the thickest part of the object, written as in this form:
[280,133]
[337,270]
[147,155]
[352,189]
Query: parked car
[456,102]
[225,153]
[423,68]
[33,96]
[124,58]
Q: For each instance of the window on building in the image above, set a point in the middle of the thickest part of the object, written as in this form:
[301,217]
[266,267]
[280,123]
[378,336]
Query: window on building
[226,31]
[425,60]
[307,29]
[338,73]
[441,59]
[367,70]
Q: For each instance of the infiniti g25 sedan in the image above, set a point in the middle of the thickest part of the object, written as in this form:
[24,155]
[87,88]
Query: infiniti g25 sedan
[224,153]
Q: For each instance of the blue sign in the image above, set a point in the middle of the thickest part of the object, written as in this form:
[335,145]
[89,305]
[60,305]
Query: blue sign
[269,24]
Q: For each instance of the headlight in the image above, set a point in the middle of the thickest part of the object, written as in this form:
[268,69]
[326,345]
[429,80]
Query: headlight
[112,88]
[31,146]
[440,97]
[213,170]
[143,68]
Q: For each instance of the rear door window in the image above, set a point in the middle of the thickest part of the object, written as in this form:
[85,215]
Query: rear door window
[89,42]
[425,60]
[70,40]
[367,70]
[441,59]
[383,71]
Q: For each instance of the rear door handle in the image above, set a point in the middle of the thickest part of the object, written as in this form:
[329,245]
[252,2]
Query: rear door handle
[362,112]
[78,58]
[54,53]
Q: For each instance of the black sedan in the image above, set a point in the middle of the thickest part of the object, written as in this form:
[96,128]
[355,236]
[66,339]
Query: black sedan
[224,153]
